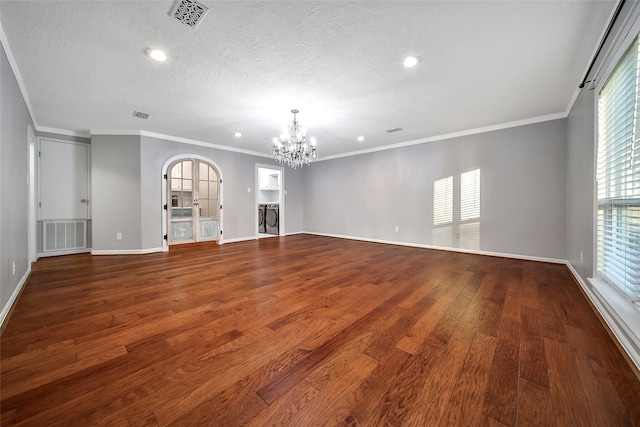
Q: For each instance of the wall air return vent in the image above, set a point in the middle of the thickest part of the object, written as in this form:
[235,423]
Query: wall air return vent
[140,115]
[64,235]
[189,12]
[394,130]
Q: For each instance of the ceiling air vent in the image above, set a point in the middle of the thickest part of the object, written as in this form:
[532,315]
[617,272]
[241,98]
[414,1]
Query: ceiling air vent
[189,12]
[394,130]
[140,115]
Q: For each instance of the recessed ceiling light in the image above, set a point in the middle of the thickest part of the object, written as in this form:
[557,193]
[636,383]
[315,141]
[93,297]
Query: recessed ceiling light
[361,138]
[157,55]
[411,61]
[237,134]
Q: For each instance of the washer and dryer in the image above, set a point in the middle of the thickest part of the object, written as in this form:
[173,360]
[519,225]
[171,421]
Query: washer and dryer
[262,226]
[272,219]
[269,218]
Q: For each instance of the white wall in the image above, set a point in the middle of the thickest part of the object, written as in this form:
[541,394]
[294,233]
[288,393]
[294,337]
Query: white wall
[522,190]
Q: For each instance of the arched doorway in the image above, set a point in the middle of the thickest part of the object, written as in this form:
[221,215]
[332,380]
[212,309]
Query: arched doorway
[193,201]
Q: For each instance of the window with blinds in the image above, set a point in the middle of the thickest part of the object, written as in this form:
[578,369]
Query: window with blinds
[469,229]
[443,201]
[466,221]
[618,177]
[442,233]
[470,195]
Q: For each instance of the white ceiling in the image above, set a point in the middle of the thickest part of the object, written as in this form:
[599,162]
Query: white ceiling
[248,63]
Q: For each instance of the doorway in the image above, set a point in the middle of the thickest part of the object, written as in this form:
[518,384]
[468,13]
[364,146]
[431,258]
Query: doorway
[193,201]
[270,201]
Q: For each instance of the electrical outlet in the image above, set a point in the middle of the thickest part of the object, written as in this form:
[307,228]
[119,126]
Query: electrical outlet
[118,236]
[397,229]
[13,267]
[248,189]
[457,236]
[581,258]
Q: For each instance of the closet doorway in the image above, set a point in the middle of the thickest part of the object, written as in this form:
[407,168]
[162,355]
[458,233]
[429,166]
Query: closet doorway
[193,196]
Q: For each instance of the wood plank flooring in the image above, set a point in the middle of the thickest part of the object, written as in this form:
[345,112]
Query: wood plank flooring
[305,331]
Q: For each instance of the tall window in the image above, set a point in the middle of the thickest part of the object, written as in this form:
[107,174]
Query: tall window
[462,219]
[618,175]
[441,234]
[469,230]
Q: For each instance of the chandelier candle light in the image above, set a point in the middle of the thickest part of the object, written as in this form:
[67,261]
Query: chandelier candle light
[291,148]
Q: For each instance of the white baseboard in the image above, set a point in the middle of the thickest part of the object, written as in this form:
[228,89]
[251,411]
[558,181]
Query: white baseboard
[14,296]
[64,252]
[443,248]
[125,251]
[237,239]
[619,326]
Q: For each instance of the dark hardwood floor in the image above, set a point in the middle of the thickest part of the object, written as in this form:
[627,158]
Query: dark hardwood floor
[305,331]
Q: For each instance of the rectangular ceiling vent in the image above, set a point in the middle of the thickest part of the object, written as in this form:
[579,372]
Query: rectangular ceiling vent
[140,115]
[189,12]
[394,130]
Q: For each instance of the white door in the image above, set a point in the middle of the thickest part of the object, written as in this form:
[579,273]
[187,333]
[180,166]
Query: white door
[194,206]
[64,195]
[64,180]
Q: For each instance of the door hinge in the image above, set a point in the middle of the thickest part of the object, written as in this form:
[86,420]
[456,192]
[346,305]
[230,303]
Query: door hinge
[220,181]
[165,207]
[220,207]
[166,237]
[39,204]
[165,176]
[221,232]
[39,153]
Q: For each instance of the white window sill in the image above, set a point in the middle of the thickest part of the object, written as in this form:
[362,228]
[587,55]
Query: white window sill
[621,315]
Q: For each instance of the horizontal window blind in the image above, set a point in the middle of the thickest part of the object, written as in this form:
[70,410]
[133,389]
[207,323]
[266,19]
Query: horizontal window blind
[618,176]
[470,195]
[443,201]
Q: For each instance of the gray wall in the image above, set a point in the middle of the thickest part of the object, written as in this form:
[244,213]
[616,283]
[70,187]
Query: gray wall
[581,147]
[115,192]
[127,190]
[522,190]
[580,184]
[14,118]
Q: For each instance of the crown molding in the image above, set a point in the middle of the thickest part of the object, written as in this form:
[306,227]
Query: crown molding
[16,72]
[475,131]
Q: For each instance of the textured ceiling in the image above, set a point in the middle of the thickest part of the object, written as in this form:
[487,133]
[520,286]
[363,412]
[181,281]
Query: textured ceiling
[249,63]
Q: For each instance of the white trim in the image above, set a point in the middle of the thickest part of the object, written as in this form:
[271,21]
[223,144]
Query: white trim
[202,144]
[577,90]
[32,190]
[627,32]
[47,129]
[125,251]
[14,296]
[240,239]
[491,128]
[621,320]
[178,139]
[281,198]
[63,252]
[442,248]
[16,72]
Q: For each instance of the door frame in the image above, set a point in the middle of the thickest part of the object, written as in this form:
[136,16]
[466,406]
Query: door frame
[281,216]
[31,182]
[165,217]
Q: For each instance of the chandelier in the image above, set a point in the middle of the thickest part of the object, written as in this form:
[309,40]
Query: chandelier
[291,148]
